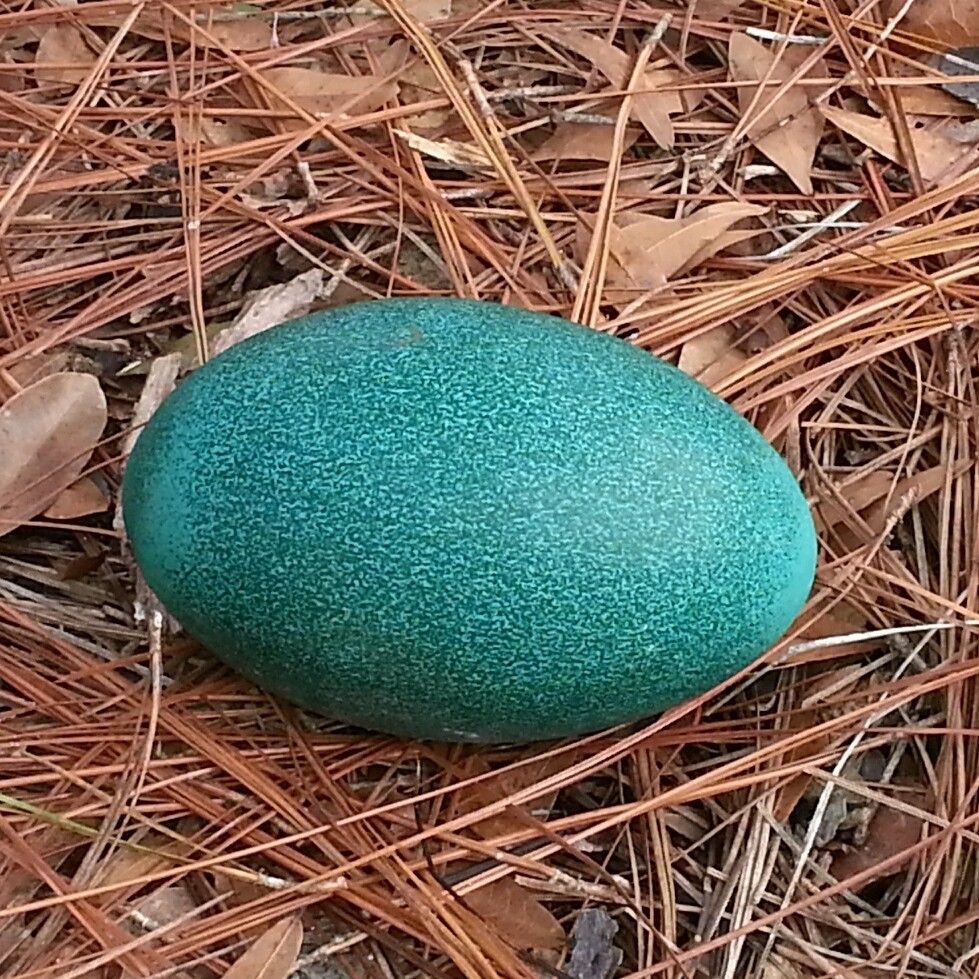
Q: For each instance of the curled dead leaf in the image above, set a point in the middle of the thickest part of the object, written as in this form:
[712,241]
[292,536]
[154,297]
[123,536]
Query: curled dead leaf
[165,905]
[224,132]
[47,433]
[463,156]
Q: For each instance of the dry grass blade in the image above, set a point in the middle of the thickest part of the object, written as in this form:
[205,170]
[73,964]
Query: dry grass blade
[780,201]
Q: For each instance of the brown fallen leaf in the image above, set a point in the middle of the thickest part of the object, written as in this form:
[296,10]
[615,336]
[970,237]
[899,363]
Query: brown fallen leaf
[464,156]
[237,32]
[419,83]
[878,494]
[62,44]
[224,132]
[323,94]
[939,156]
[271,306]
[842,619]
[229,29]
[951,22]
[647,250]
[889,832]
[517,915]
[165,905]
[428,10]
[78,500]
[717,10]
[778,967]
[711,356]
[923,484]
[859,493]
[156,852]
[47,433]
[588,141]
[784,126]
[375,15]
[656,99]
[30,369]
[273,954]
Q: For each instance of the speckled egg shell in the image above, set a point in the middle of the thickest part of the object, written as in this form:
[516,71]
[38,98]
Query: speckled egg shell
[461,521]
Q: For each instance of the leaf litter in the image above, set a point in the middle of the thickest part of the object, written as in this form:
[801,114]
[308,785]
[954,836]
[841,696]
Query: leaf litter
[47,433]
[785,125]
[838,321]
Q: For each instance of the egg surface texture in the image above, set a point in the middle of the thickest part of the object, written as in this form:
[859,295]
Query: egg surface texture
[456,520]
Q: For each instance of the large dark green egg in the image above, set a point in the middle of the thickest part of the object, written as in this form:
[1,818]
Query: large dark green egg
[457,520]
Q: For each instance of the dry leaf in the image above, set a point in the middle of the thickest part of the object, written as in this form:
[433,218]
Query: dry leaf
[650,107]
[31,369]
[588,141]
[769,329]
[78,500]
[711,356]
[223,132]
[889,833]
[166,905]
[273,955]
[923,484]
[463,156]
[614,64]
[230,30]
[419,83]
[47,433]
[877,487]
[60,44]
[237,33]
[516,915]
[716,10]
[954,23]
[271,306]
[843,619]
[792,145]
[937,154]
[779,968]
[373,13]
[858,493]
[156,852]
[428,10]
[324,94]
[647,250]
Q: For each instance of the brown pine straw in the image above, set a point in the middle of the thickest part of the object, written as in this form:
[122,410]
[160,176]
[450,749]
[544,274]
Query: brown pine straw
[815,816]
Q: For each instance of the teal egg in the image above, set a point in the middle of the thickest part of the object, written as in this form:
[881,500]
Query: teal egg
[456,520]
